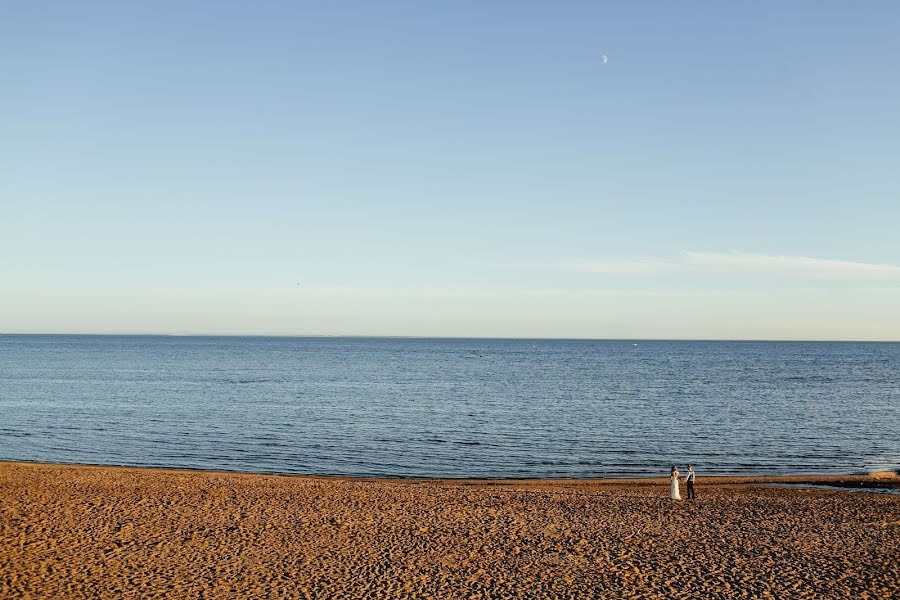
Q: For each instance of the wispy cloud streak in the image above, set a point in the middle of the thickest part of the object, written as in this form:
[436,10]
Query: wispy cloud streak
[740,262]
[816,267]
[638,265]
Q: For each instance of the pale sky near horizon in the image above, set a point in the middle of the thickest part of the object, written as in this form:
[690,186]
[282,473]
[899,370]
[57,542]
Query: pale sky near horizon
[732,171]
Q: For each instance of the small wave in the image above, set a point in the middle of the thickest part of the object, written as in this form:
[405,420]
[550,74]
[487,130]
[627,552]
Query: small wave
[14,433]
[810,379]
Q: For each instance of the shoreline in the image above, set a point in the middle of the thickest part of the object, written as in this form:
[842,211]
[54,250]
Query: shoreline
[112,532]
[885,479]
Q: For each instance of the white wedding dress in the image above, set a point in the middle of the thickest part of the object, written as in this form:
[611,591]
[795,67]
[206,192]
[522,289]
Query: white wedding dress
[675,494]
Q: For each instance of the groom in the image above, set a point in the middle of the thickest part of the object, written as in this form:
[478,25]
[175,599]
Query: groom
[689,479]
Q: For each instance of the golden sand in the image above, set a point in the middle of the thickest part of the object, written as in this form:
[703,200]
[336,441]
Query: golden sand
[96,532]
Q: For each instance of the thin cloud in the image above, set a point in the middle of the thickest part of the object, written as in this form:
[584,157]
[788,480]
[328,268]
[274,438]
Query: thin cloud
[745,262]
[794,265]
[625,267]
[475,292]
[594,292]
[406,291]
[628,292]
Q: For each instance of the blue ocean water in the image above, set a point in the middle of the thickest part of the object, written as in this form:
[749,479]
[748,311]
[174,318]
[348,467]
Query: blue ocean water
[450,407]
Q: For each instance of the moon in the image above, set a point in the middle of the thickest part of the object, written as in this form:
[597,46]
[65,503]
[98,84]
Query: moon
[604,60]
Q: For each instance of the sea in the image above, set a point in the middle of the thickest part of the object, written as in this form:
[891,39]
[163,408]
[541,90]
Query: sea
[455,408]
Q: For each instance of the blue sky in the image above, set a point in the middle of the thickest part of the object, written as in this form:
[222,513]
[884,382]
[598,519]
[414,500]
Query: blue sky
[463,168]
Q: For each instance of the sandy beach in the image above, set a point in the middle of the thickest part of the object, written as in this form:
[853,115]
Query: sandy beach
[101,532]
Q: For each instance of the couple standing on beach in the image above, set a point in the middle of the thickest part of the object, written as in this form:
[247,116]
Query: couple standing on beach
[675,493]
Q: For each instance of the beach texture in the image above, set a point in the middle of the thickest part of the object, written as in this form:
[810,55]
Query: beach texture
[97,532]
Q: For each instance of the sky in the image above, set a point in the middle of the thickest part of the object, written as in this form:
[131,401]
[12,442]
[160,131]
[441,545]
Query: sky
[487,169]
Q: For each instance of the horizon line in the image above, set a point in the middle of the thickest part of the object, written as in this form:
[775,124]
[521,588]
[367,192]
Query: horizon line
[453,337]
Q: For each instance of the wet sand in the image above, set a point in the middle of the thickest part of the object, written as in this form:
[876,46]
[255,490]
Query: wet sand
[99,532]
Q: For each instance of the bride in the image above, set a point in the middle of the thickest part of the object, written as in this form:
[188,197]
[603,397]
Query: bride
[675,493]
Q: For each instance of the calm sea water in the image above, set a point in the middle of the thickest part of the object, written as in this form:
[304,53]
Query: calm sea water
[450,407]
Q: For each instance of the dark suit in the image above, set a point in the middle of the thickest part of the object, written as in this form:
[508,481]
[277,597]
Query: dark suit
[690,485]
